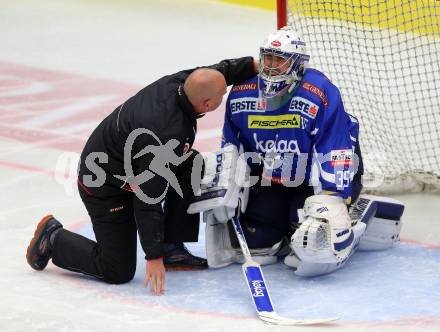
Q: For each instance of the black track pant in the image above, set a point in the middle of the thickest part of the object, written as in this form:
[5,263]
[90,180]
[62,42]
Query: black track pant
[112,258]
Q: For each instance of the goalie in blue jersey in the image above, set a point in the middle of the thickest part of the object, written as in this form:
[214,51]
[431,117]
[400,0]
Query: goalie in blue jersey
[291,162]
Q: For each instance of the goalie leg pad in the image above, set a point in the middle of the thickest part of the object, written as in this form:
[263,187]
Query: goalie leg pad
[376,224]
[310,254]
[263,256]
[383,230]
[220,251]
[315,262]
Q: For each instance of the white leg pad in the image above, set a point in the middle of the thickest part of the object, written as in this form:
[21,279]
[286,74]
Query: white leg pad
[377,225]
[219,251]
[380,234]
[263,256]
[383,230]
[312,269]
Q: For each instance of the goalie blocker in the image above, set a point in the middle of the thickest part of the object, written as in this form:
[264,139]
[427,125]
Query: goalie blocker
[327,237]
[223,191]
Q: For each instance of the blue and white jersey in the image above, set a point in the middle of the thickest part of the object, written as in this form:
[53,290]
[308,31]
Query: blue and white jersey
[307,137]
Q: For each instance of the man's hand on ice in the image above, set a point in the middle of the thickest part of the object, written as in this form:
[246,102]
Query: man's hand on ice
[155,276]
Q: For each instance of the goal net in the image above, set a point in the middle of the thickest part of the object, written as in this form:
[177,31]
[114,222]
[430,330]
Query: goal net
[385,58]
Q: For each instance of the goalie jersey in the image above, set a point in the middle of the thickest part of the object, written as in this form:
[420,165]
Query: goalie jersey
[303,136]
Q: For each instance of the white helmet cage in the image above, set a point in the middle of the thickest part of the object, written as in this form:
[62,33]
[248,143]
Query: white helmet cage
[276,77]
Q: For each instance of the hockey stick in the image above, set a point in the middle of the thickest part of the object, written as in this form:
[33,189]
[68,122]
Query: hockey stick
[258,288]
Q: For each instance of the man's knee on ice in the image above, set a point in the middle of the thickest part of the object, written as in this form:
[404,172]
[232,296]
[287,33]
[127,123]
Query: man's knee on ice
[119,273]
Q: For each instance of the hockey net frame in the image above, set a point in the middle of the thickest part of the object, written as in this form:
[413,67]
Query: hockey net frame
[385,58]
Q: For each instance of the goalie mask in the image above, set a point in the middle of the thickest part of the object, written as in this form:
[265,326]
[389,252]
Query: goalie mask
[283,58]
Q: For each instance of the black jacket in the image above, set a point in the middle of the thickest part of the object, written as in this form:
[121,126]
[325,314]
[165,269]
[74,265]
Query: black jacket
[162,108]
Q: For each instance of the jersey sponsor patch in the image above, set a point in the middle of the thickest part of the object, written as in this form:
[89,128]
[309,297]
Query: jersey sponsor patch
[274,121]
[316,91]
[244,87]
[248,104]
[304,106]
[341,157]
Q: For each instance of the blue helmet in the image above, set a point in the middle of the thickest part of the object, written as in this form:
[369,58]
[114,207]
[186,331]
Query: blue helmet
[283,58]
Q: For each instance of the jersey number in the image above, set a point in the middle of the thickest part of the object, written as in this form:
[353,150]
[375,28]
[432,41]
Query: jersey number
[342,179]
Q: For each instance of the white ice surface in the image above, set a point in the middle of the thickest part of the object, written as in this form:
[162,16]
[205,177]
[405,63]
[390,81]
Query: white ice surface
[136,42]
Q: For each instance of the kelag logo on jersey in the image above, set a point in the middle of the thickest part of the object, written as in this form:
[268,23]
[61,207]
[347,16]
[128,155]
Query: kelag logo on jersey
[276,145]
[274,121]
[304,106]
[248,104]
[341,157]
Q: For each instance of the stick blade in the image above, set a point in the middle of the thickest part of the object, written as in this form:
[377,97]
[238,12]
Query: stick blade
[274,318]
[257,287]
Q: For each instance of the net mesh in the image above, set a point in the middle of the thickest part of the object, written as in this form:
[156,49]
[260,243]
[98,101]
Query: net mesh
[385,58]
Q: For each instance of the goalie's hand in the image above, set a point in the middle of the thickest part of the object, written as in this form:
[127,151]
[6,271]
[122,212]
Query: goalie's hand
[155,276]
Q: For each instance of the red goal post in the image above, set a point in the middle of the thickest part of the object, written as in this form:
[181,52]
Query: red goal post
[281,13]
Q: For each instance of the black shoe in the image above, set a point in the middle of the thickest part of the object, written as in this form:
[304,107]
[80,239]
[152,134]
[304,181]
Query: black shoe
[178,257]
[39,250]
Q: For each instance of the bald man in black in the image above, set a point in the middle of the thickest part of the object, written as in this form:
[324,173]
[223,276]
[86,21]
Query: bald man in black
[124,195]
